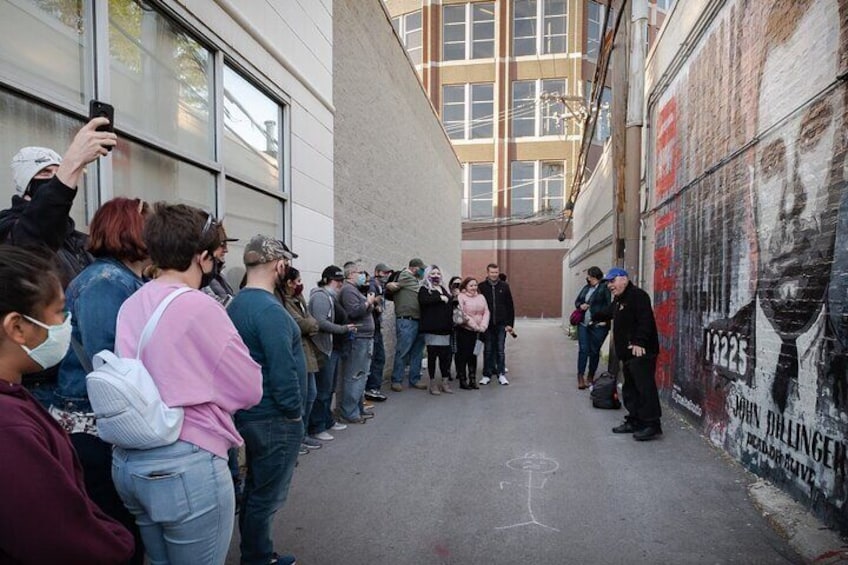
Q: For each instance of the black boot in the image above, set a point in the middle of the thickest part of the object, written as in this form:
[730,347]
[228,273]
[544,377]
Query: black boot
[463,380]
[472,381]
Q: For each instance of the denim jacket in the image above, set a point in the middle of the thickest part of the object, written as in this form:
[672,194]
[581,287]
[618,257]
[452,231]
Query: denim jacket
[93,298]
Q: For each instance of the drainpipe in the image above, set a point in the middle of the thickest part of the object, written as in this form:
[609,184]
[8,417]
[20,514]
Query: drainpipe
[633,137]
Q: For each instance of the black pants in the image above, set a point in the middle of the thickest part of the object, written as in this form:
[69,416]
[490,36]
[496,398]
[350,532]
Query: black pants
[640,391]
[95,456]
[466,361]
[442,354]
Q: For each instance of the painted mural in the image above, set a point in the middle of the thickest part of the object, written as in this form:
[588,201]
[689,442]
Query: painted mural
[751,256]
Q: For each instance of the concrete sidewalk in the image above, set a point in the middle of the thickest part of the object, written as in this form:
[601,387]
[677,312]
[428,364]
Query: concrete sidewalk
[525,473]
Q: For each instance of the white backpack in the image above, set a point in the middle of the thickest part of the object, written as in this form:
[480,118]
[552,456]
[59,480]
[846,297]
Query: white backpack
[126,403]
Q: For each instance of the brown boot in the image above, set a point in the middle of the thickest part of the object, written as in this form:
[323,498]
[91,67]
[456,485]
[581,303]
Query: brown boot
[445,387]
[581,382]
[590,380]
[434,387]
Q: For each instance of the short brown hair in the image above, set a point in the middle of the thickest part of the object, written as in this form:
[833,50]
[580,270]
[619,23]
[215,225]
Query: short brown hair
[492,266]
[176,232]
[465,282]
[117,228]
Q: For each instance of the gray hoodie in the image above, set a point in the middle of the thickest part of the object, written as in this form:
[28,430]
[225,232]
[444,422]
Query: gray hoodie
[358,310]
[322,307]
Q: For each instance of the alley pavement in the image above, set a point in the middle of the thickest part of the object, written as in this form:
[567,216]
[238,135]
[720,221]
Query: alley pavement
[527,473]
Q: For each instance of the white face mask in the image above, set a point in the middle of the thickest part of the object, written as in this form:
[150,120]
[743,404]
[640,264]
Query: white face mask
[53,349]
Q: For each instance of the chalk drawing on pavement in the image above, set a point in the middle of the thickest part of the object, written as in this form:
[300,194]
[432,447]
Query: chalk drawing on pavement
[537,467]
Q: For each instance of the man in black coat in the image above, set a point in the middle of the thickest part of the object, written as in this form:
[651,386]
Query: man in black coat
[45,186]
[501,320]
[637,345]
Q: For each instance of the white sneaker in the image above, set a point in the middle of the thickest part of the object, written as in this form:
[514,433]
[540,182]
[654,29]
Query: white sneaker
[502,380]
[485,381]
[338,426]
[323,436]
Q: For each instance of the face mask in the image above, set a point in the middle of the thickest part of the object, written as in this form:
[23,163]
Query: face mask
[298,290]
[420,273]
[383,280]
[53,349]
[360,280]
[35,184]
[436,279]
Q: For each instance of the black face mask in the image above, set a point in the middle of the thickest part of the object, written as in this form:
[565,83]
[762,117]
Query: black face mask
[35,184]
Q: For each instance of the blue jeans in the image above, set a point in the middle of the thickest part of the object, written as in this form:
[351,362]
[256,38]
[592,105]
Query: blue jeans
[590,339]
[182,500]
[355,374]
[409,347]
[271,447]
[308,400]
[494,362]
[378,362]
[321,417]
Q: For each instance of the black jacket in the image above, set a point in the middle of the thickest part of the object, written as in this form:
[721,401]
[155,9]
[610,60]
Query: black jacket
[632,322]
[499,298]
[436,315]
[45,221]
[598,302]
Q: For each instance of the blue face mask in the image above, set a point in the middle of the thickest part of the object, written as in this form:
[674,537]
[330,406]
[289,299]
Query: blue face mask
[360,280]
[420,272]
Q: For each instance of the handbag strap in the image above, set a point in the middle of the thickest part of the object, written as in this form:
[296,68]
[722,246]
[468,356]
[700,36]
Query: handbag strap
[147,332]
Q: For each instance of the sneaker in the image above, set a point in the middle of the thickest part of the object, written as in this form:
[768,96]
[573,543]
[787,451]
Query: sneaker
[502,380]
[419,385]
[397,387]
[311,443]
[375,395]
[359,420]
[303,450]
[338,426]
[323,436]
[367,404]
[485,381]
[285,559]
[366,414]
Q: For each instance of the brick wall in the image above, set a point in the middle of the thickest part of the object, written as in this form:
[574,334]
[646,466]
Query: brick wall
[749,240]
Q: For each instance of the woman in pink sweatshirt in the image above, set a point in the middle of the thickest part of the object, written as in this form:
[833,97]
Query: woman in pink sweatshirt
[47,516]
[182,494]
[476,313]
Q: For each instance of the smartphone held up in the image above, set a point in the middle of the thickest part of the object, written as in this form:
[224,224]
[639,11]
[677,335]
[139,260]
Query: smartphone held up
[96,109]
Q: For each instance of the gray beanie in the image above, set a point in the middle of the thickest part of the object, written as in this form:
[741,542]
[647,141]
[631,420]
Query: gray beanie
[29,162]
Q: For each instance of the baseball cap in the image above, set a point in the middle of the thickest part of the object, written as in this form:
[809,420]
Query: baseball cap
[383,267]
[615,272]
[30,161]
[222,234]
[332,273]
[289,251]
[416,263]
[264,249]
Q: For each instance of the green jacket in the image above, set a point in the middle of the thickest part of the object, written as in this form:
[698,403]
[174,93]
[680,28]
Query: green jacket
[406,297]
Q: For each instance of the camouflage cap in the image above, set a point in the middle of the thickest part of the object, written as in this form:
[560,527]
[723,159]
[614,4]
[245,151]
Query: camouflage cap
[264,249]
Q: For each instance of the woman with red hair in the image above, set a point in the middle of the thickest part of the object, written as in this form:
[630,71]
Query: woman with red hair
[93,299]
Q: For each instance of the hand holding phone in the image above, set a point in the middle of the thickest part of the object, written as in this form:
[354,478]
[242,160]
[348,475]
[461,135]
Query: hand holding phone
[97,109]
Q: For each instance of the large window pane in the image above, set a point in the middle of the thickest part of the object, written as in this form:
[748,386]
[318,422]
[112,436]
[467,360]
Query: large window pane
[24,124]
[524,28]
[154,60]
[524,108]
[480,191]
[483,30]
[412,38]
[482,111]
[141,172]
[553,109]
[43,44]
[522,188]
[594,34]
[603,128]
[249,212]
[551,184]
[453,31]
[252,129]
[555,26]
[453,110]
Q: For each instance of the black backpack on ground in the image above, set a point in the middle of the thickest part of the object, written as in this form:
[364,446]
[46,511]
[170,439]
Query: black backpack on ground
[605,392]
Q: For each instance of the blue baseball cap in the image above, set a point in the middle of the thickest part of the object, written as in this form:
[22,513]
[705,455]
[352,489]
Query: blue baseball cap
[615,272]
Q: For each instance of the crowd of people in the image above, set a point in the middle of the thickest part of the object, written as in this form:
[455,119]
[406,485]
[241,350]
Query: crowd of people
[261,367]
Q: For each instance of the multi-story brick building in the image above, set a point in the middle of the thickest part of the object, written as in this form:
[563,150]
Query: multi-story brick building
[508,78]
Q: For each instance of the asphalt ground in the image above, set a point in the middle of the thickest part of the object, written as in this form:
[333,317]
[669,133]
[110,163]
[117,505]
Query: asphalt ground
[527,473]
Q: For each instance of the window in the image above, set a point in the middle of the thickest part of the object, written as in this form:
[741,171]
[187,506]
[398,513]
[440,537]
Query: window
[594,29]
[665,5]
[536,187]
[468,31]
[480,196]
[152,58]
[163,77]
[459,101]
[537,107]
[408,28]
[530,17]
[603,127]
[43,44]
